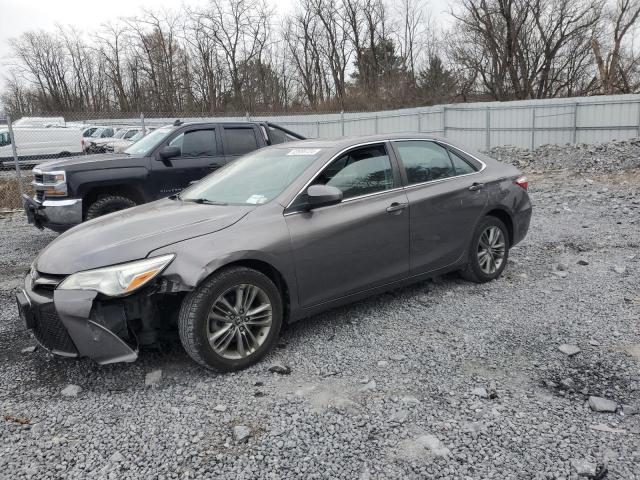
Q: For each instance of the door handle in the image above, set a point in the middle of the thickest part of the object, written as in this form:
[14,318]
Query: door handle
[396,207]
[475,187]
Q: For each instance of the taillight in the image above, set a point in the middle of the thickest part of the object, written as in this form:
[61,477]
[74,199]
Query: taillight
[522,182]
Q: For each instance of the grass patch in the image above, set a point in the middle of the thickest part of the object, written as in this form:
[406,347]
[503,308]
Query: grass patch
[10,193]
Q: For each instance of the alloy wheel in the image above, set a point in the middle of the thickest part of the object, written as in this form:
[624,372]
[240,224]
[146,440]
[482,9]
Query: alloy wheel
[491,250]
[239,321]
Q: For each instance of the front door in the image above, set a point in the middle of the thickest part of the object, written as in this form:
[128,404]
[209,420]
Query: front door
[200,155]
[360,243]
[442,209]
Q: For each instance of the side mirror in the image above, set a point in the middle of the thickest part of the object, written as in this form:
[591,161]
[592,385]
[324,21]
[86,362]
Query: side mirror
[169,152]
[322,195]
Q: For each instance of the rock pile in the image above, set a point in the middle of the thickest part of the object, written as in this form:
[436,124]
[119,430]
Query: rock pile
[608,157]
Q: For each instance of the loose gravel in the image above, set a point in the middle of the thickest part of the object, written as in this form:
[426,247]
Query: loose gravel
[606,157]
[444,379]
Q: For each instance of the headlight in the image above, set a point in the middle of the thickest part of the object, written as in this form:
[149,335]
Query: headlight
[120,279]
[53,183]
[54,177]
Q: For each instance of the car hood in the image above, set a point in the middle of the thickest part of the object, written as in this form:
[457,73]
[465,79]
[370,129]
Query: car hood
[100,141]
[80,162]
[131,234]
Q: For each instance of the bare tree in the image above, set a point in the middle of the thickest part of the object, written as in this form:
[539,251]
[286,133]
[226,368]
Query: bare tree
[414,35]
[225,55]
[616,66]
[110,45]
[525,48]
[301,34]
[240,29]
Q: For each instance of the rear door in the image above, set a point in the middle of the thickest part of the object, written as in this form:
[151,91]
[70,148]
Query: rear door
[201,154]
[444,202]
[238,140]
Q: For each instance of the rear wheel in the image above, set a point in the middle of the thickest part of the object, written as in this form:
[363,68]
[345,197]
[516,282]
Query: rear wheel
[488,252]
[108,204]
[232,320]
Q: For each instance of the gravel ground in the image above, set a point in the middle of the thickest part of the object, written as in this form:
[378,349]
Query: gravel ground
[445,379]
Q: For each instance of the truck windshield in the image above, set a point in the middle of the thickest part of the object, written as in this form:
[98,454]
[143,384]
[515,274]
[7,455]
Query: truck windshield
[253,179]
[4,139]
[144,146]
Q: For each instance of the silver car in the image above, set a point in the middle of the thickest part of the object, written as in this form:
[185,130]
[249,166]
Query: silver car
[280,234]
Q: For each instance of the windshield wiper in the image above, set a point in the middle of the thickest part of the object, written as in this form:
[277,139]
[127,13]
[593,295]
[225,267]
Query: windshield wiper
[203,201]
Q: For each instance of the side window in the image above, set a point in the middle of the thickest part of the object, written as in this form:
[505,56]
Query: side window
[280,136]
[424,161]
[129,134]
[239,141]
[196,143]
[461,166]
[107,133]
[359,172]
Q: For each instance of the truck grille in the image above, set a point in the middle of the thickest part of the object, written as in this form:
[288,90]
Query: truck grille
[39,196]
[50,332]
[38,178]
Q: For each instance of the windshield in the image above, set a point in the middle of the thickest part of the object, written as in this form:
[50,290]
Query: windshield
[137,136]
[120,133]
[145,145]
[253,179]
[4,138]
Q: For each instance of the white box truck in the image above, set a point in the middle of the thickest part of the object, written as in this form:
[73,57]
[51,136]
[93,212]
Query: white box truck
[44,122]
[39,143]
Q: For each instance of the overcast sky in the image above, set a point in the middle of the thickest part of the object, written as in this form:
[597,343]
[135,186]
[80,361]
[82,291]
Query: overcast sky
[18,16]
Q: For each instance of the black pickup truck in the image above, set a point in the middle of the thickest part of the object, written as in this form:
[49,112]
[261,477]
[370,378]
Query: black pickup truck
[71,190]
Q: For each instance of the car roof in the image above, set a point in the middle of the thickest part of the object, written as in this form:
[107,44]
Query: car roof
[339,143]
[232,124]
[332,146]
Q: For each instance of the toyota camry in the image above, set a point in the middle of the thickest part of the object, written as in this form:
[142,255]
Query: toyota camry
[275,236]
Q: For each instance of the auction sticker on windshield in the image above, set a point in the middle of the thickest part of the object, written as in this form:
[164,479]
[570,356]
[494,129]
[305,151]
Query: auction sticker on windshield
[257,199]
[303,151]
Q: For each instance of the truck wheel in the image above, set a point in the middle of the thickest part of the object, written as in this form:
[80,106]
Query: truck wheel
[108,204]
[232,320]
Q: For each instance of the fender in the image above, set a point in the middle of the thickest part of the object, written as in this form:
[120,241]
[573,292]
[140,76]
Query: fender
[83,182]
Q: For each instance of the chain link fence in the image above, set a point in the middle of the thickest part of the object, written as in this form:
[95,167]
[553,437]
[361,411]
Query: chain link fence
[527,124]
[29,141]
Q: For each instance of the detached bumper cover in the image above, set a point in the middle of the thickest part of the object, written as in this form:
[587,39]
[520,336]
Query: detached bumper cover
[62,322]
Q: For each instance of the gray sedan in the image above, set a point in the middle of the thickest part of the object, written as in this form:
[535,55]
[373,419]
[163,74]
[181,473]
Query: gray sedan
[278,235]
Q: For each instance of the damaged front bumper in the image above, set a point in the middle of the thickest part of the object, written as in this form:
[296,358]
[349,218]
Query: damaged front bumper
[57,215]
[76,323]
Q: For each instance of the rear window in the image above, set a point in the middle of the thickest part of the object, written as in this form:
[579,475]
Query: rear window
[280,136]
[461,166]
[239,141]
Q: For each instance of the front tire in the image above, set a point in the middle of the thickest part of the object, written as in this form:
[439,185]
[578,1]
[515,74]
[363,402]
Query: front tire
[232,320]
[108,204]
[488,252]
